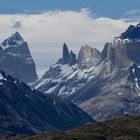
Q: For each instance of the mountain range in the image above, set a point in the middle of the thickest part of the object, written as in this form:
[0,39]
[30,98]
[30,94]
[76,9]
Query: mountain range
[104,84]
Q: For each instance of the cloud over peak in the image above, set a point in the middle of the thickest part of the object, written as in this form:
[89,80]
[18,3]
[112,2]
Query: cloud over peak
[46,32]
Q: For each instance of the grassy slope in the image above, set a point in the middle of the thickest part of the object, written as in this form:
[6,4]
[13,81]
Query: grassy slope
[118,128]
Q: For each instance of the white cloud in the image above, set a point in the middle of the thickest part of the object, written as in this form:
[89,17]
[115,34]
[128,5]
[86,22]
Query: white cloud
[132,12]
[46,32]
[17,25]
[133,15]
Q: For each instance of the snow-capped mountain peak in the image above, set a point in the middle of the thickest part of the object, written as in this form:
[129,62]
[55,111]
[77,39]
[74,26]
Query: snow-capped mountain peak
[13,41]
[103,84]
[17,37]
[16,59]
[132,33]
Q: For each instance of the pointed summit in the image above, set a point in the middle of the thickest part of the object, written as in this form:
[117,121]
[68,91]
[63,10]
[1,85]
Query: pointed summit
[16,36]
[16,60]
[65,54]
[13,41]
[88,57]
[133,32]
[68,57]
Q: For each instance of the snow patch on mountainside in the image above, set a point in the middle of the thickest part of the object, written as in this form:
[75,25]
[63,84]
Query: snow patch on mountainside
[14,40]
[104,84]
[68,80]
[120,94]
[2,78]
[118,40]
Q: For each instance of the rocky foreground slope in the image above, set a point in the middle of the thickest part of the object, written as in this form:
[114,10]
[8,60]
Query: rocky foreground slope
[104,84]
[16,60]
[27,111]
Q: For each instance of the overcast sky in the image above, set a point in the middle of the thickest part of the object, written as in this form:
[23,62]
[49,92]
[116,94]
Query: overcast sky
[46,25]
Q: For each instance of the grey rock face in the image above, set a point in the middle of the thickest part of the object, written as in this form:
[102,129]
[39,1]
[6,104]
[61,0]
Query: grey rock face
[88,57]
[104,84]
[105,50]
[118,92]
[65,57]
[117,95]
[16,60]
[72,58]
[27,111]
[68,57]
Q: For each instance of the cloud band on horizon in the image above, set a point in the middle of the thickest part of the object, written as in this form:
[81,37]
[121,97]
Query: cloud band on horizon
[46,32]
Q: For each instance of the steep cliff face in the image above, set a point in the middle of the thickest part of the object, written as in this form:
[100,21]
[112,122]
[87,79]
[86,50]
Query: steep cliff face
[104,84]
[68,57]
[119,90]
[16,60]
[88,57]
[27,111]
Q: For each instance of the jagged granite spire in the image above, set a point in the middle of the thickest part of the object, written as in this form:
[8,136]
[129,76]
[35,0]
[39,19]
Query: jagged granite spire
[88,57]
[68,57]
[72,58]
[16,60]
[65,57]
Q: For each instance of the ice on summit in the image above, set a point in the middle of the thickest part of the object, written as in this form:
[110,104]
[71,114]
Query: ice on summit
[16,60]
[13,41]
